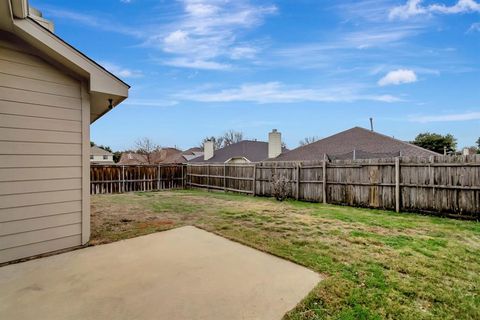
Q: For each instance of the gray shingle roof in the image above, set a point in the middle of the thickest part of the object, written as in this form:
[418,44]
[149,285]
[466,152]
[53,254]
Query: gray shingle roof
[254,151]
[96,151]
[366,143]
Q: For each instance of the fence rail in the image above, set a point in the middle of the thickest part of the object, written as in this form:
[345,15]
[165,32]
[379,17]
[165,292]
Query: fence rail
[439,185]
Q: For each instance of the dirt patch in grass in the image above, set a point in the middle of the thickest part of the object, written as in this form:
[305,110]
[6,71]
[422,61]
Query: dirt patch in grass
[379,264]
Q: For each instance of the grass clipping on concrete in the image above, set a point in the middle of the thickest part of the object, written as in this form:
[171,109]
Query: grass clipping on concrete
[378,264]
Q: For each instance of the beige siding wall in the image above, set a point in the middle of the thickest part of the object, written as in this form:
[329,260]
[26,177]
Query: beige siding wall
[237,160]
[41,155]
[100,159]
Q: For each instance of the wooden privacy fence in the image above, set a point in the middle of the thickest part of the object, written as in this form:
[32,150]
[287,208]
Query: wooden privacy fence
[118,179]
[440,185]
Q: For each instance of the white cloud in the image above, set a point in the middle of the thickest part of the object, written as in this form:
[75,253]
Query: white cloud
[197,8]
[409,9]
[208,32]
[462,6]
[468,116]
[120,71]
[204,35]
[276,92]
[91,21]
[176,41]
[378,37]
[243,52]
[187,62]
[397,77]
[414,8]
[150,102]
[475,27]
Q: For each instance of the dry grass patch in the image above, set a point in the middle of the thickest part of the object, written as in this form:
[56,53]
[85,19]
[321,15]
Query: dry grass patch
[379,264]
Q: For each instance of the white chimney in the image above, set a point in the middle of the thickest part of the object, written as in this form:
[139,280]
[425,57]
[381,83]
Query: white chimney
[274,144]
[208,150]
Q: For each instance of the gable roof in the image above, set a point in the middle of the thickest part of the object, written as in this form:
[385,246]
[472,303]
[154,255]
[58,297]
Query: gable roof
[253,151]
[192,153]
[96,151]
[366,143]
[24,22]
[164,155]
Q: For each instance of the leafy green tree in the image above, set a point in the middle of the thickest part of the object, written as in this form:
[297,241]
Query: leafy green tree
[436,142]
[107,148]
[116,156]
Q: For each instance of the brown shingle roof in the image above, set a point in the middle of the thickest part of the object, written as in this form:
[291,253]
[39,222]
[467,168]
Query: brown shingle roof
[253,151]
[366,143]
[164,155]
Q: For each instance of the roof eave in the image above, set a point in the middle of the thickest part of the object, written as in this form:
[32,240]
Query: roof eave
[102,84]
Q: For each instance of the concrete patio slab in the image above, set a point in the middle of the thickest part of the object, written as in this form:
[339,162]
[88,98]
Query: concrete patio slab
[185,273]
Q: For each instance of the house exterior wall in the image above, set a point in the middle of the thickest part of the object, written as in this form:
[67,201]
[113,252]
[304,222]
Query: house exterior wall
[100,159]
[44,156]
[237,160]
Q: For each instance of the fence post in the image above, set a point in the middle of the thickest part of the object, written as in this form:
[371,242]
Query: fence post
[208,177]
[190,176]
[298,181]
[123,178]
[224,177]
[431,173]
[158,177]
[183,181]
[324,177]
[119,181]
[254,187]
[397,184]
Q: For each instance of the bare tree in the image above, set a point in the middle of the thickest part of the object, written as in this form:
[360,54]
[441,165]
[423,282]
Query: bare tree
[231,137]
[217,142]
[228,138]
[308,140]
[145,147]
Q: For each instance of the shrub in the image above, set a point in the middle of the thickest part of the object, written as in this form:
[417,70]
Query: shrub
[280,187]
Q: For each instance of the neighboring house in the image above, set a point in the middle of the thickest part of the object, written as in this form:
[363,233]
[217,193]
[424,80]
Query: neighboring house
[100,156]
[163,155]
[244,151]
[192,153]
[355,143]
[50,93]
[469,151]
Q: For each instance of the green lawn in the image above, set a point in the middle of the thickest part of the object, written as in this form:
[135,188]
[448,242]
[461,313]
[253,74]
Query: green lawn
[377,264]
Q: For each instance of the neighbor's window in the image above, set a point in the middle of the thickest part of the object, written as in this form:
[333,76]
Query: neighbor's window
[105,157]
[91,157]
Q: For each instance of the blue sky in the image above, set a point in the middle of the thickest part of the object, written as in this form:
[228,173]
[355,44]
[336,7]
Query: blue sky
[305,67]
